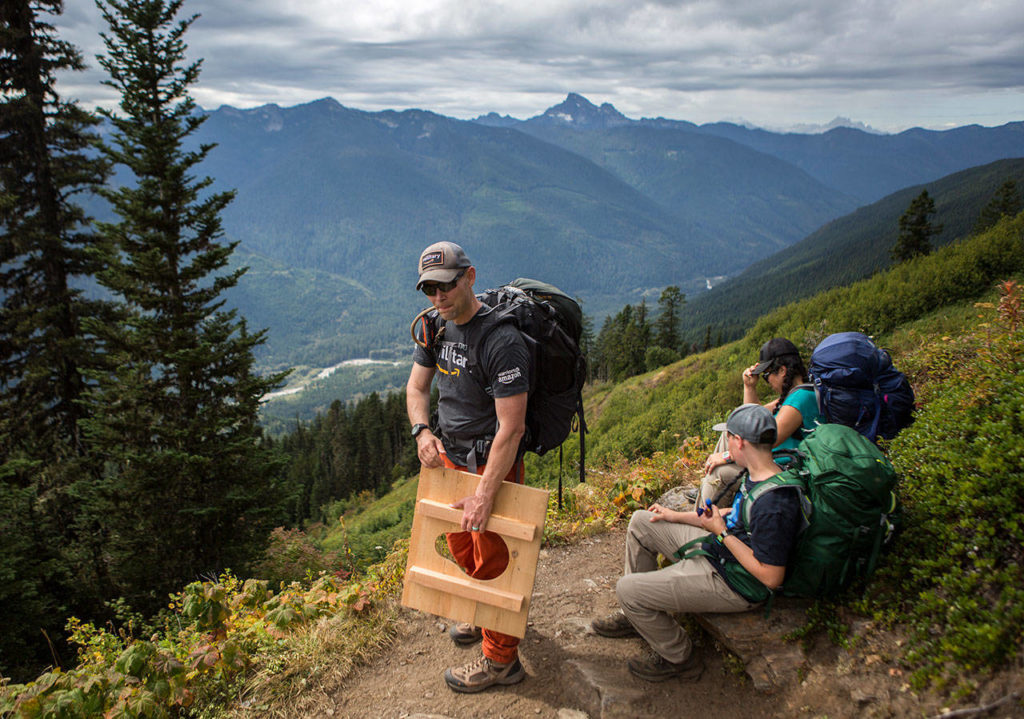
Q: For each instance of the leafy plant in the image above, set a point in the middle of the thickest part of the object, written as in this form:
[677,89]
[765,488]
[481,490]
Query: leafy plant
[824,616]
[957,572]
[217,634]
[293,555]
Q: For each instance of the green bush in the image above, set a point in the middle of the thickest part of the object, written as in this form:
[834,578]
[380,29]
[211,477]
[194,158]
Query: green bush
[293,555]
[956,576]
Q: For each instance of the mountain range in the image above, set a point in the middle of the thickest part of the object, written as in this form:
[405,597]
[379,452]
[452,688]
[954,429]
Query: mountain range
[334,205]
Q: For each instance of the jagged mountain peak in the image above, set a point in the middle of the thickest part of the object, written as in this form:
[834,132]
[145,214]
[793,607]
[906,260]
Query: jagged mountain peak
[493,119]
[578,111]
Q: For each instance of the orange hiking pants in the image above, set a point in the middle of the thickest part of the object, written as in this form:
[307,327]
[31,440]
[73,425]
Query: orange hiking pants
[484,555]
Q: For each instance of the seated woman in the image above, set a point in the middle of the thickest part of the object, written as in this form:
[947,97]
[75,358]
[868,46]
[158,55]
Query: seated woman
[795,410]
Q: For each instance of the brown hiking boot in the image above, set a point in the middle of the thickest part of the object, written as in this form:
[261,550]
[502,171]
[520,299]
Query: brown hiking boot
[465,634]
[483,674]
[615,625]
[653,667]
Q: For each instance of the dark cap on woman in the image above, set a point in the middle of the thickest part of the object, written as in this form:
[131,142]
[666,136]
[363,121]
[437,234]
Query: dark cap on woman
[772,350]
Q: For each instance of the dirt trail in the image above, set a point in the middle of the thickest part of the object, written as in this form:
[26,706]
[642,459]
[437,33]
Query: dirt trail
[573,673]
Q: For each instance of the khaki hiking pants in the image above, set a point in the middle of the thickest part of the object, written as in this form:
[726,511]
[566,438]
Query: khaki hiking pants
[720,480]
[650,596]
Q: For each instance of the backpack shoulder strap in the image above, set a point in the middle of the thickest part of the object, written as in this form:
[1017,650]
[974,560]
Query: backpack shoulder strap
[789,478]
[498,318]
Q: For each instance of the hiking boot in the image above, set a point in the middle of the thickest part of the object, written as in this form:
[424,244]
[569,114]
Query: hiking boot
[483,674]
[464,634]
[653,667]
[615,625]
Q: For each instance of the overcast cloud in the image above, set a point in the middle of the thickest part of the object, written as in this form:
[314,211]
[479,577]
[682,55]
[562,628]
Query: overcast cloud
[891,64]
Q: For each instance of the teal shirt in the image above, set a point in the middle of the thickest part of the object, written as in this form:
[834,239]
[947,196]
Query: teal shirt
[805,402]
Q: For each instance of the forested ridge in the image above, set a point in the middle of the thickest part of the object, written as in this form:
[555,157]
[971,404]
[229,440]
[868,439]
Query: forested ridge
[845,250]
[640,338]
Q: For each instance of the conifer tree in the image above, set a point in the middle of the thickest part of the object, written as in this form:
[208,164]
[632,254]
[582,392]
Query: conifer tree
[188,490]
[587,339]
[45,243]
[916,229]
[600,359]
[1005,203]
[667,325]
[621,346]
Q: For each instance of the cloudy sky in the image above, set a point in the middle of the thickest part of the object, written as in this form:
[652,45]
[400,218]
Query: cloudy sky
[891,64]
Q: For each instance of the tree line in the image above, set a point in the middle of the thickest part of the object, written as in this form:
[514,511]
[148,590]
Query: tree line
[353,448]
[131,457]
[916,228]
[632,342]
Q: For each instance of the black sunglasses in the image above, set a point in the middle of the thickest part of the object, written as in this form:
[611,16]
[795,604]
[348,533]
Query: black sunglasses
[430,288]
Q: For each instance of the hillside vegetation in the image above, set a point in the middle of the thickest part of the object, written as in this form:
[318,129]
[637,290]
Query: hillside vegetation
[957,560]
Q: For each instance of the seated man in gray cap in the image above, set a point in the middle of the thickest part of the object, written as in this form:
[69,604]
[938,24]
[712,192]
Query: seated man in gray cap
[725,565]
[483,377]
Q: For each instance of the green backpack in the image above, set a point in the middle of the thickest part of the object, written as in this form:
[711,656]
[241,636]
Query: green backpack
[849,509]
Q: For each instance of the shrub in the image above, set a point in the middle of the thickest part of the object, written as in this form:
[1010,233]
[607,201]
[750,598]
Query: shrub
[659,357]
[292,555]
[957,572]
[217,634]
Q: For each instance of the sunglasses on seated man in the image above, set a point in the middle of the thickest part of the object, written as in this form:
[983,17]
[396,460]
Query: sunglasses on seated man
[430,288]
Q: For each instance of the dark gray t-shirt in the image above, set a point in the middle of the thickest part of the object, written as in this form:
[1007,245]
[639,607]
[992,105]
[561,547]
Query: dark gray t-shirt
[469,377]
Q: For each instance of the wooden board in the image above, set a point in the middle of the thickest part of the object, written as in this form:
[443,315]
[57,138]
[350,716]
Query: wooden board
[435,584]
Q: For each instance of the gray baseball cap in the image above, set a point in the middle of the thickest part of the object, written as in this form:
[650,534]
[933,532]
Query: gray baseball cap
[752,422]
[441,262]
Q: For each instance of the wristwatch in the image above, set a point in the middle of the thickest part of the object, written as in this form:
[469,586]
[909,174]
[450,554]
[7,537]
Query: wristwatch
[417,428]
[721,537]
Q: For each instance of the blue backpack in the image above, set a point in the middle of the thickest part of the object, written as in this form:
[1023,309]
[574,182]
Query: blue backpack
[857,386]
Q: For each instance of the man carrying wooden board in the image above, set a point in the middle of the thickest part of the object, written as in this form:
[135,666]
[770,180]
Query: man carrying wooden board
[483,380]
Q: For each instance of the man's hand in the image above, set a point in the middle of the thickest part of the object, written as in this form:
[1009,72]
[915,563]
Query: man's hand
[429,449]
[476,511]
[511,412]
[711,520]
[663,514]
